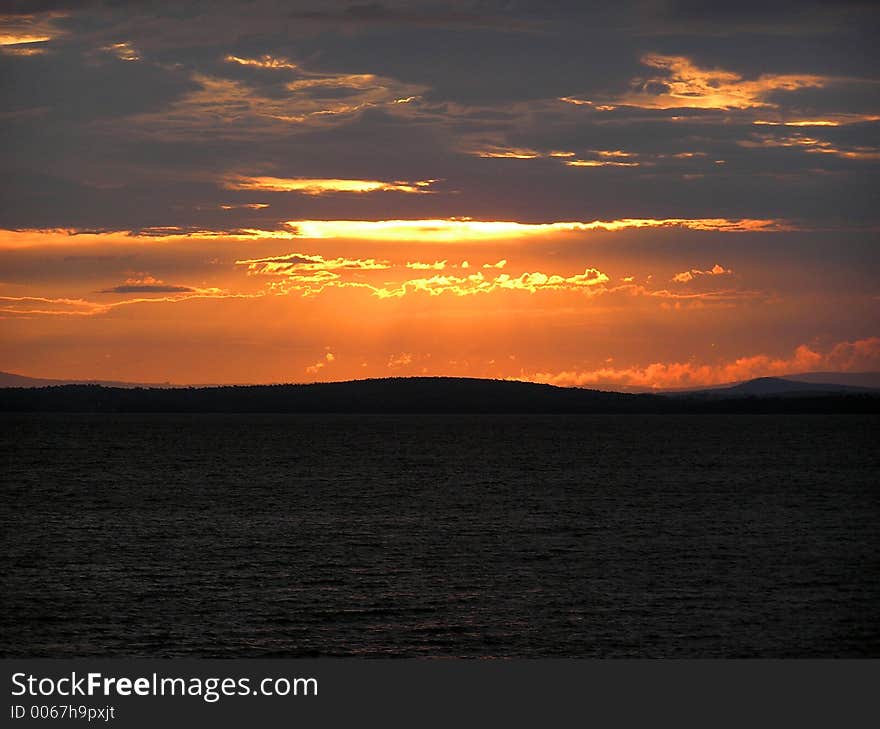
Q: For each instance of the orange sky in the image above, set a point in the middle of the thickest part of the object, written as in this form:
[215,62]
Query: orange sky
[573,307]
[617,199]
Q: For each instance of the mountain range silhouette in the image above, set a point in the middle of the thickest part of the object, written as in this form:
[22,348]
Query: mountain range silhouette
[439,395]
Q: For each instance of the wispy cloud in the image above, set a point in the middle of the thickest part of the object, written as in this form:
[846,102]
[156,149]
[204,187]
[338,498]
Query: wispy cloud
[687,276]
[600,163]
[829,120]
[157,288]
[324,186]
[27,306]
[451,230]
[498,152]
[811,145]
[19,30]
[233,109]
[266,62]
[42,306]
[478,283]
[23,49]
[849,356]
[327,359]
[294,263]
[124,51]
[313,274]
[445,230]
[146,284]
[682,83]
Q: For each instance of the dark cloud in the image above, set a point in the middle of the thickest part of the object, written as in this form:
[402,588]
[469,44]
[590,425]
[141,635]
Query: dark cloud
[436,15]
[72,86]
[763,15]
[93,140]
[147,289]
[31,7]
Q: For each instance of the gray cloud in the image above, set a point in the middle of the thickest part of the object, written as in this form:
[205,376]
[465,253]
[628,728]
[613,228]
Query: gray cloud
[91,140]
[147,289]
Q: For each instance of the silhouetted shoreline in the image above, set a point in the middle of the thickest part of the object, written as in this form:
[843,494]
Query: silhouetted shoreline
[418,395]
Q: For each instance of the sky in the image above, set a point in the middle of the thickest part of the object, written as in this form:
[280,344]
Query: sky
[638,194]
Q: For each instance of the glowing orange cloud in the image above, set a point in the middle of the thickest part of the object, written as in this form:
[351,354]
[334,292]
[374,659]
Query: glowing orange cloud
[686,276]
[312,274]
[347,80]
[600,157]
[22,50]
[811,145]
[804,123]
[684,84]
[451,230]
[586,102]
[608,158]
[323,186]
[9,39]
[681,83]
[45,306]
[233,109]
[64,237]
[296,262]
[448,230]
[122,51]
[859,355]
[476,283]
[33,306]
[18,32]
[506,153]
[834,120]
[269,62]
[327,359]
[599,163]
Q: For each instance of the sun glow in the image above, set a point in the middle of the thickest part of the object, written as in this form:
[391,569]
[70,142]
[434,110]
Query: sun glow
[324,186]
[453,230]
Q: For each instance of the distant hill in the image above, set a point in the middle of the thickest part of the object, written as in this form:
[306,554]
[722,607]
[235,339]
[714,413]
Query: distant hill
[764,386]
[413,395]
[828,381]
[856,379]
[9,379]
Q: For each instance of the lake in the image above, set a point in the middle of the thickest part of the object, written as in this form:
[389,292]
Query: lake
[462,536]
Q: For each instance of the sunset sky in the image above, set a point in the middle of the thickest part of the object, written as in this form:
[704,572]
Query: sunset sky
[643,194]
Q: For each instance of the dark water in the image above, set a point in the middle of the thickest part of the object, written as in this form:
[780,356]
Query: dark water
[172,535]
